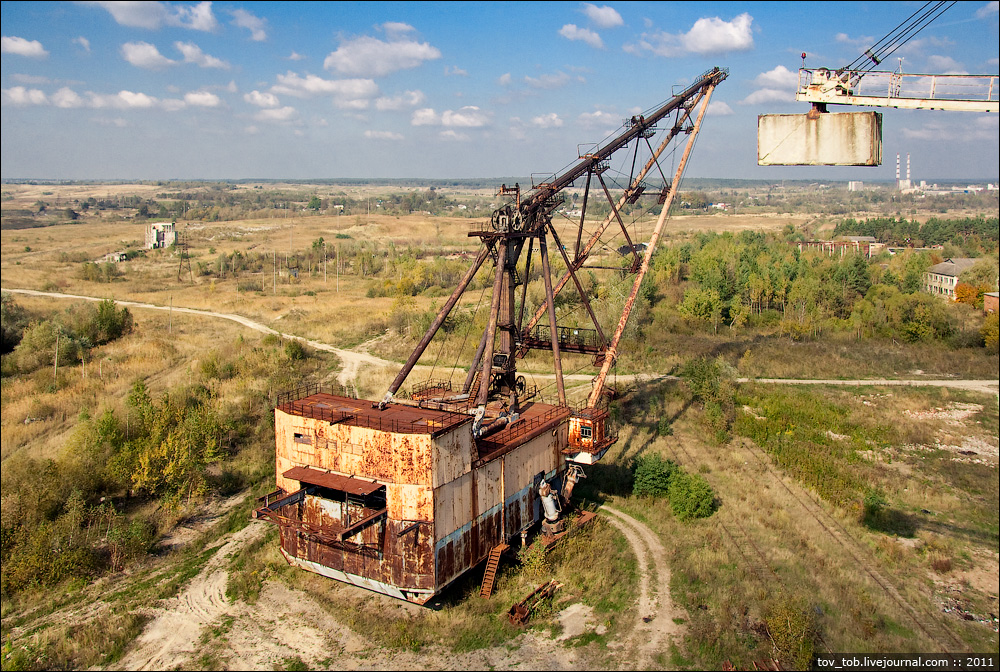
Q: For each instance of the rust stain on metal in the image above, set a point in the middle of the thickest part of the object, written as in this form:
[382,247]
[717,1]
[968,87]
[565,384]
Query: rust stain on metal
[405,496]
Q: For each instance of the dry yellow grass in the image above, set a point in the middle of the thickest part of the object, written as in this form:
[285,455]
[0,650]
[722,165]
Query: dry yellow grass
[40,417]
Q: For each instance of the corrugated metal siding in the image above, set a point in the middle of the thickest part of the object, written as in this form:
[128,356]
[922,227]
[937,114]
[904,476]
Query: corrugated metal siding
[452,455]
[466,539]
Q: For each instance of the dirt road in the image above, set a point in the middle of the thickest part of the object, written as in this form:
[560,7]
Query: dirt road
[285,624]
[353,360]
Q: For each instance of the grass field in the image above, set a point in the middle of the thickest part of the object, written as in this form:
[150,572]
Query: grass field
[861,519]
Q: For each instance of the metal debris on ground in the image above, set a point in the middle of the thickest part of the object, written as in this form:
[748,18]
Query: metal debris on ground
[520,612]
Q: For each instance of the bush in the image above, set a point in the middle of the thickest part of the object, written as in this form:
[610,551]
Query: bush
[991,332]
[13,320]
[691,496]
[792,627]
[533,559]
[295,350]
[652,476]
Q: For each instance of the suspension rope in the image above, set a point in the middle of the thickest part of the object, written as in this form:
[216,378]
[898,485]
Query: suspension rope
[899,36]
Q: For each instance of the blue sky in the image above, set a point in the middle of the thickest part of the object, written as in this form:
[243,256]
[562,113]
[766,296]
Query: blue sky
[214,90]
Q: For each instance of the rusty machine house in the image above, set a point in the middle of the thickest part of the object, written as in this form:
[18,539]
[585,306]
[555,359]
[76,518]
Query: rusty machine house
[405,494]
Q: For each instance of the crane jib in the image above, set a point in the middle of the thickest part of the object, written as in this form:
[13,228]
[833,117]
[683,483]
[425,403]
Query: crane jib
[534,200]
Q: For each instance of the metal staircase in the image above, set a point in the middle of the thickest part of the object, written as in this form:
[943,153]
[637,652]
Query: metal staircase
[489,578]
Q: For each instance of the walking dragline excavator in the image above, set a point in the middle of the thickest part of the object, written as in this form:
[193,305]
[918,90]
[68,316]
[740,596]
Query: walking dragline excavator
[404,495]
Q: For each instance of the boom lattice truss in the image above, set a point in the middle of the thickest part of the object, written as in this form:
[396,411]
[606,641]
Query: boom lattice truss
[526,220]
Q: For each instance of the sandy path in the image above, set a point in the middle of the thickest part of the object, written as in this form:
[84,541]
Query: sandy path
[173,635]
[287,623]
[655,627]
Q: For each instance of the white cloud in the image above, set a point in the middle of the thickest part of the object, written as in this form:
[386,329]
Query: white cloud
[945,65]
[383,135]
[717,108]
[453,135]
[455,71]
[193,54]
[295,56]
[469,116]
[131,99]
[987,10]
[202,99]
[571,32]
[776,85]
[153,15]
[371,57]
[425,117]
[550,120]
[244,19]
[20,96]
[707,36]
[769,96]
[172,104]
[261,99]
[599,118]
[396,29]
[554,81]
[83,42]
[346,93]
[407,99]
[504,79]
[22,47]
[145,55]
[778,78]
[603,16]
[67,98]
[279,114]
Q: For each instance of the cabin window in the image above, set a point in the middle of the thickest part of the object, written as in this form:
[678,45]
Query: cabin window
[351,507]
[586,432]
[302,438]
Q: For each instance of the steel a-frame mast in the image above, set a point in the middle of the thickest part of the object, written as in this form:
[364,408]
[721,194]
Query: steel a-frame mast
[493,371]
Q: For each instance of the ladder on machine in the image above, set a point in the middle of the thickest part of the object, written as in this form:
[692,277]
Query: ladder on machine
[489,578]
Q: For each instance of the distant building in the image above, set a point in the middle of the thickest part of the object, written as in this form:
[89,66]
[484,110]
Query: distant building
[160,235]
[991,303]
[865,245]
[855,185]
[940,279]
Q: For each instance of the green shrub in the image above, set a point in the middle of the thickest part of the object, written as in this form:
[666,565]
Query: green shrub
[990,332]
[792,627]
[691,496]
[652,476]
[533,560]
[295,350]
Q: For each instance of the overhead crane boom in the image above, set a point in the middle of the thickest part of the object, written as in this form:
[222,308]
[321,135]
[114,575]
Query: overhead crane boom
[965,93]
[635,130]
